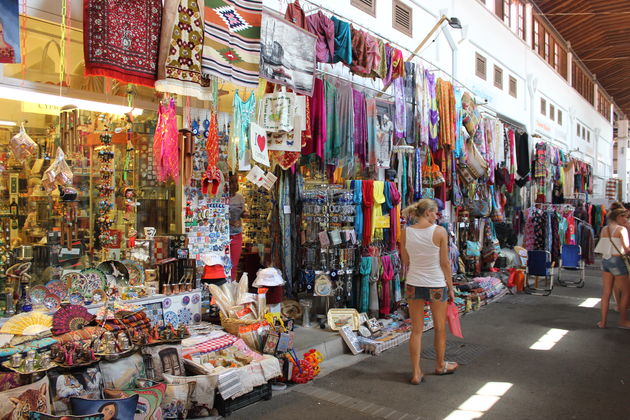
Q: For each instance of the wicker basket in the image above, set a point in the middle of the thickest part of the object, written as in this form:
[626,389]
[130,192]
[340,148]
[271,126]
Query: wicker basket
[232,325]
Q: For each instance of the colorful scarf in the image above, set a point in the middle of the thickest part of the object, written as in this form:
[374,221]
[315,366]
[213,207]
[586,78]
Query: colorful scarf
[165,144]
[121,39]
[231,47]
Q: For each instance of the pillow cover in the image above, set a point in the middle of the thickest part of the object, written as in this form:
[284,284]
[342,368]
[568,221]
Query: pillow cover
[43,416]
[166,358]
[149,400]
[83,382]
[202,399]
[16,404]
[122,374]
[11,380]
[112,409]
[177,400]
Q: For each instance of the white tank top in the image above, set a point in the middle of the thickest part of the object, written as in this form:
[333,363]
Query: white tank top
[424,258]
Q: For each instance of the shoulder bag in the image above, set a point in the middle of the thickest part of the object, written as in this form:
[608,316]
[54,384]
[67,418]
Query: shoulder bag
[625,258]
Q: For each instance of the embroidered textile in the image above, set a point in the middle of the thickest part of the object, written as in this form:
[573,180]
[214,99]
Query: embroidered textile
[231,46]
[322,26]
[121,39]
[9,32]
[165,147]
[181,46]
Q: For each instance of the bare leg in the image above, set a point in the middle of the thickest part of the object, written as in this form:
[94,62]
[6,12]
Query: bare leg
[621,283]
[416,312]
[607,286]
[616,298]
[438,309]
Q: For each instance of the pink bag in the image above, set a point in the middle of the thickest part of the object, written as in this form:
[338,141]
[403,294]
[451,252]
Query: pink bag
[452,314]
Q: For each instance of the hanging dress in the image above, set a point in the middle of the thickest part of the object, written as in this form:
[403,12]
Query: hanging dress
[165,147]
[242,112]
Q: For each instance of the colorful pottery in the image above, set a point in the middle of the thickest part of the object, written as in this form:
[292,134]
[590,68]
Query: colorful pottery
[116,273]
[98,296]
[171,317]
[52,302]
[196,298]
[74,280]
[76,298]
[185,316]
[38,293]
[136,272]
[57,287]
[95,279]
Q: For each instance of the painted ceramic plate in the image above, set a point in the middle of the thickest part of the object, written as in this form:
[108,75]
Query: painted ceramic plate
[196,298]
[95,279]
[52,302]
[57,287]
[186,300]
[197,317]
[99,296]
[171,317]
[74,280]
[38,293]
[75,298]
[185,316]
[166,303]
[116,273]
[136,272]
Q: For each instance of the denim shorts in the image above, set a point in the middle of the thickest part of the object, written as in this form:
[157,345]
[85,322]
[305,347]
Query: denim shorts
[429,294]
[615,266]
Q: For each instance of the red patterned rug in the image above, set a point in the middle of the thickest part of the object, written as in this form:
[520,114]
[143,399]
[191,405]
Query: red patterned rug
[121,39]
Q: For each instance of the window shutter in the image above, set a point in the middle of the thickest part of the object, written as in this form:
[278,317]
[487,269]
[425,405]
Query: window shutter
[513,86]
[367,6]
[480,66]
[498,77]
[402,18]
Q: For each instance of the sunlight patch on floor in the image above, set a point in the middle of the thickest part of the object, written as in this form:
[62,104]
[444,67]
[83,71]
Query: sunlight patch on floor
[590,302]
[550,339]
[477,405]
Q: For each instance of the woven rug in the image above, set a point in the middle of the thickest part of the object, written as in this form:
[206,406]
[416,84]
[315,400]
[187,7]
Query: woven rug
[231,46]
[121,39]
[456,351]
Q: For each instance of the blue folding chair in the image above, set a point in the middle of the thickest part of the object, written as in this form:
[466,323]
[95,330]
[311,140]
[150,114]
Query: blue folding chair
[571,259]
[539,265]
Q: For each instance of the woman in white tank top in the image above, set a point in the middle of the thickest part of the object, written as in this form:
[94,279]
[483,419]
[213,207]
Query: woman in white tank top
[425,258]
[613,243]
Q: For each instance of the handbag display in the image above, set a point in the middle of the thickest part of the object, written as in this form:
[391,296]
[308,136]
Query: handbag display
[480,205]
[470,115]
[431,174]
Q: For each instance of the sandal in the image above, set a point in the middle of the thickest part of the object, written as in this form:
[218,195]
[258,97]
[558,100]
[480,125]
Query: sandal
[448,368]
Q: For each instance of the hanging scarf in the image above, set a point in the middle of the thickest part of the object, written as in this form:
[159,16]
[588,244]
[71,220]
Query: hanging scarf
[358,209]
[360,126]
[400,114]
[368,201]
[332,144]
[396,265]
[371,119]
[165,144]
[377,210]
[366,270]
[433,111]
[388,275]
[376,273]
[417,182]
[387,205]
[394,217]
[459,139]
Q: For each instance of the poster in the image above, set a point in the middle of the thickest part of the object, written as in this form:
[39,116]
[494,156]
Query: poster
[258,139]
[287,54]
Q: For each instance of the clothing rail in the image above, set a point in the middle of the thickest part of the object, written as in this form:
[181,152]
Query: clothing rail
[316,6]
[345,79]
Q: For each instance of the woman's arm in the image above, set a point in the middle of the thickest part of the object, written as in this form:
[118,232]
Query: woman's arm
[404,255]
[445,263]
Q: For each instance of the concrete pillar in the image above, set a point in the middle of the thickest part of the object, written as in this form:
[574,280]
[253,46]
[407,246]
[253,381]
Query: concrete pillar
[622,157]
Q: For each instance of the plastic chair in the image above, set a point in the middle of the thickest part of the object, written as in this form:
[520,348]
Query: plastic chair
[571,259]
[539,265]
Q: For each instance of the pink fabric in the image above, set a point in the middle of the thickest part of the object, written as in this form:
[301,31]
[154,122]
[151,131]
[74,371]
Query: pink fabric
[236,247]
[452,314]
[210,345]
[322,26]
[318,121]
[165,144]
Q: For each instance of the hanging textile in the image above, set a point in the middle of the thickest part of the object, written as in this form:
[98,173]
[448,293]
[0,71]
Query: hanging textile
[422,89]
[121,39]
[318,121]
[231,46]
[433,111]
[345,126]
[388,275]
[9,32]
[446,104]
[374,278]
[242,112]
[365,268]
[411,103]
[360,126]
[181,47]
[400,112]
[343,41]
[333,144]
[212,144]
[322,26]
[371,118]
[165,147]
[295,15]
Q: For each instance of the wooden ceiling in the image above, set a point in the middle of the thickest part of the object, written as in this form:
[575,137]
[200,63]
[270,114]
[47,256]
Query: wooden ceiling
[599,33]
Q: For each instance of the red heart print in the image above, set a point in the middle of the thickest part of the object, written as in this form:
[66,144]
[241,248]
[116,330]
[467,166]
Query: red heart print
[262,142]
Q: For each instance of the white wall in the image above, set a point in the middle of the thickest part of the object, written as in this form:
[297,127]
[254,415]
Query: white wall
[486,34]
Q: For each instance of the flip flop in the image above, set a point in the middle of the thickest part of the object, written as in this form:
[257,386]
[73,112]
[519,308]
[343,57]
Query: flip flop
[600,327]
[445,369]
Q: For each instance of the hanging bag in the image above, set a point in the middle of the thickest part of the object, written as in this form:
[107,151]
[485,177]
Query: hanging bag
[454,324]
[22,146]
[431,174]
[479,205]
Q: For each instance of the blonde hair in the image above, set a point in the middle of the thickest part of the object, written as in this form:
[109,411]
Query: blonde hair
[418,209]
[615,213]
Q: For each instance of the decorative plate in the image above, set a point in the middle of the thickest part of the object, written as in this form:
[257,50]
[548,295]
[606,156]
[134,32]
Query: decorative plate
[197,317]
[196,298]
[171,317]
[95,279]
[185,316]
[76,298]
[116,273]
[99,296]
[52,302]
[38,293]
[57,287]
[136,272]
[186,300]
[166,303]
[74,280]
